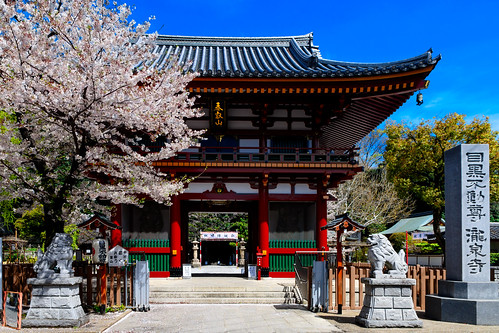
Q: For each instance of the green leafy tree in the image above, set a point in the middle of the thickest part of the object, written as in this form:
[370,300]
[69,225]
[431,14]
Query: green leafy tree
[217,222]
[31,226]
[414,158]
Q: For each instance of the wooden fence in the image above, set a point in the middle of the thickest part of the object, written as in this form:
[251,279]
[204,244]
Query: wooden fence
[118,282]
[426,283]
[15,278]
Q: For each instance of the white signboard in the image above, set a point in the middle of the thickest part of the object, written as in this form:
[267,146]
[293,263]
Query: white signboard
[186,271]
[118,257]
[219,235]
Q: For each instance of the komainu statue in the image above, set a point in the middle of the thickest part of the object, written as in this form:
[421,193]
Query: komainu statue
[380,252]
[57,259]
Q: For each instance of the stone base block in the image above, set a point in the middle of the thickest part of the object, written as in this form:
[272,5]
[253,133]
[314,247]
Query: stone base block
[459,310]
[370,323]
[388,303]
[55,323]
[55,302]
[468,290]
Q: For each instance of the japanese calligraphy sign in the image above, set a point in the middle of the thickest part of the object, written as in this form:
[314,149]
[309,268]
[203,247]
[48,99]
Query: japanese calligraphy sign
[118,257]
[218,116]
[467,213]
[219,235]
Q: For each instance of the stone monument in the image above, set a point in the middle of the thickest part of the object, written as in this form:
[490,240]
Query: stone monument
[388,297]
[467,295]
[55,300]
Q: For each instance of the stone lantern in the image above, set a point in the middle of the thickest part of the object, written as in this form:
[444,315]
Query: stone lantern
[195,261]
[242,248]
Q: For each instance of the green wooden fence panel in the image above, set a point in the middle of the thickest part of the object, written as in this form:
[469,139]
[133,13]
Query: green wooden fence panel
[157,262]
[285,262]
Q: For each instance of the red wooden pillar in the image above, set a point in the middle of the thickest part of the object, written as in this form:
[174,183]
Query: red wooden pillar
[321,215]
[102,276]
[263,224]
[339,270]
[116,238]
[175,238]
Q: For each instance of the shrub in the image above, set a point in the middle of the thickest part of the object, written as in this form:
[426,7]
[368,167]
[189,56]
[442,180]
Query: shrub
[494,259]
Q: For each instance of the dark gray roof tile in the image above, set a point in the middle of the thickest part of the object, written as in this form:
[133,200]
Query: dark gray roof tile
[293,56]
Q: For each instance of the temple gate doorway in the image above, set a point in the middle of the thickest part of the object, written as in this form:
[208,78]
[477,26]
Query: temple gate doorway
[213,239]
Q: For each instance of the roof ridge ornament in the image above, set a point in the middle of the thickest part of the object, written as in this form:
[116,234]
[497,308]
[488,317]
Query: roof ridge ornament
[305,59]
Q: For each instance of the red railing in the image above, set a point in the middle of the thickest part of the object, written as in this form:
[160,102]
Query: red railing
[269,154]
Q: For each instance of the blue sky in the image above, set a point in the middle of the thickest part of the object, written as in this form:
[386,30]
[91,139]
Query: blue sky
[466,33]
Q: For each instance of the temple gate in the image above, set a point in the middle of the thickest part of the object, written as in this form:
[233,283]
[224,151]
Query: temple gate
[282,123]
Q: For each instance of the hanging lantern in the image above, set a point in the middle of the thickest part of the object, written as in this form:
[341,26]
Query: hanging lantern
[419,98]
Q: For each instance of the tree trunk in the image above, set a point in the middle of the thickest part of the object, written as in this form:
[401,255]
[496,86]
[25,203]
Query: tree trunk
[53,222]
[437,219]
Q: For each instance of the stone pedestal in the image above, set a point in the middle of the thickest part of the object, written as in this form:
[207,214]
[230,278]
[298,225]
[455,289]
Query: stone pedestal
[55,302]
[474,303]
[388,303]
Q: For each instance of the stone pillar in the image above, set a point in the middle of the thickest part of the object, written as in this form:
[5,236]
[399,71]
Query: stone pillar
[55,302]
[388,303]
[175,238]
[467,296]
[242,249]
[195,261]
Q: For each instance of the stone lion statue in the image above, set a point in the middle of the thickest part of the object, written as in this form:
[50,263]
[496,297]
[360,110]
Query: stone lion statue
[380,252]
[59,256]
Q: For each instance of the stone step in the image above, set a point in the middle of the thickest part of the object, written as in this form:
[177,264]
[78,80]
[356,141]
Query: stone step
[219,294]
[217,289]
[239,300]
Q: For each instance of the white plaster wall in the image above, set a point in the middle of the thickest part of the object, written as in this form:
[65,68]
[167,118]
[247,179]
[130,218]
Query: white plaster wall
[239,112]
[304,189]
[281,189]
[198,187]
[280,125]
[249,143]
[239,124]
[241,188]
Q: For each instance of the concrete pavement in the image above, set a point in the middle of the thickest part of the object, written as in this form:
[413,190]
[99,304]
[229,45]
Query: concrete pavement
[259,318]
[223,318]
[263,319]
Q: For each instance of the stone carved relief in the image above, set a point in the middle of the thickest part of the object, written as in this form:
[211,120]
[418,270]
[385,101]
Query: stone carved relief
[58,257]
[380,252]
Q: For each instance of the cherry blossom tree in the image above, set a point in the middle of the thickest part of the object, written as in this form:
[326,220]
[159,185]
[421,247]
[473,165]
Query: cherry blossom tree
[81,95]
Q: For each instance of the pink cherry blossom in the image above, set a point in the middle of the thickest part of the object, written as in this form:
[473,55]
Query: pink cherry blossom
[80,91]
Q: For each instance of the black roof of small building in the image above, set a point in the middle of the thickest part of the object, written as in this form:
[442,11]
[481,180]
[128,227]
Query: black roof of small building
[494,231]
[292,56]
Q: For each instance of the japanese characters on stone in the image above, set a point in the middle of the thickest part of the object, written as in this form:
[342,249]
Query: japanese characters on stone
[477,214]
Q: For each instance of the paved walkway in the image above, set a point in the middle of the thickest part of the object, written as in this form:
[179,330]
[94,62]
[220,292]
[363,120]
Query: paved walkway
[223,318]
[239,317]
[262,319]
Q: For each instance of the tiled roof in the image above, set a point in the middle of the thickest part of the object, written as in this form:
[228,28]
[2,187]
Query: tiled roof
[494,231]
[293,56]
